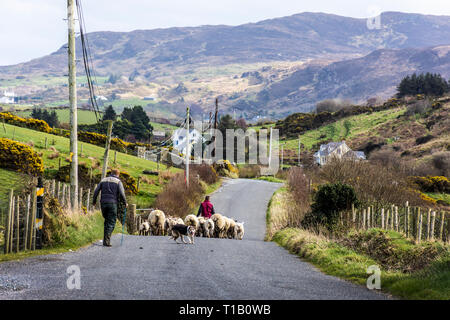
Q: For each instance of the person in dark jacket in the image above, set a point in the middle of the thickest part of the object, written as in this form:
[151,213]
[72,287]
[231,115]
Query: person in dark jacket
[206,209]
[112,192]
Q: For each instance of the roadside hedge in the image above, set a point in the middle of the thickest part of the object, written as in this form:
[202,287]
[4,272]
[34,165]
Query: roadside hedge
[20,157]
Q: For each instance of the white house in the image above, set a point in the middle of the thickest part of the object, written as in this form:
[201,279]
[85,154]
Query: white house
[7,97]
[338,150]
[179,139]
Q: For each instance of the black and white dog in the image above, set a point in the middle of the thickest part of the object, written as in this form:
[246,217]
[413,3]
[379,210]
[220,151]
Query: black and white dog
[180,230]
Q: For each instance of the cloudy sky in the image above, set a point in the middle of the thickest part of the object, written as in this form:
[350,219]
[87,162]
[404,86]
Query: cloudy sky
[33,28]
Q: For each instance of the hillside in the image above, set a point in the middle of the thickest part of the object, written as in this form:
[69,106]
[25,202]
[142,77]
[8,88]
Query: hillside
[58,148]
[270,68]
[392,135]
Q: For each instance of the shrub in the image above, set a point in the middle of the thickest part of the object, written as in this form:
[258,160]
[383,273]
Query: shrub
[424,139]
[224,168]
[330,199]
[441,161]
[373,182]
[177,199]
[205,172]
[298,185]
[432,184]
[39,125]
[250,171]
[20,157]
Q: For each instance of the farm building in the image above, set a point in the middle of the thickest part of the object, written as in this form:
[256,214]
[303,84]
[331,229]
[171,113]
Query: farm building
[338,150]
[7,97]
[179,139]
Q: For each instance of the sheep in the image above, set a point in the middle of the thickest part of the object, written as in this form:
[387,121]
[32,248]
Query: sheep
[144,228]
[219,225]
[231,232]
[191,220]
[209,228]
[157,221]
[179,221]
[240,230]
[201,227]
[168,224]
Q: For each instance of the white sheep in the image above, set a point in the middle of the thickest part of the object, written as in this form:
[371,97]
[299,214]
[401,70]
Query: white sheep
[191,220]
[220,225]
[209,228]
[144,228]
[240,230]
[157,221]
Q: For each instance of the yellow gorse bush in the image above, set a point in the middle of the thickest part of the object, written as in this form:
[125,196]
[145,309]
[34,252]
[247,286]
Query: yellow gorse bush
[20,157]
[39,125]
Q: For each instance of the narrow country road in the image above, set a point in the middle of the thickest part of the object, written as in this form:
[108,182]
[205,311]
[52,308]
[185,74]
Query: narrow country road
[211,269]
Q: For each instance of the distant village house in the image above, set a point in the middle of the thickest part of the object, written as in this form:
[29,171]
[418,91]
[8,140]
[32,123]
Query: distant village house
[179,139]
[338,150]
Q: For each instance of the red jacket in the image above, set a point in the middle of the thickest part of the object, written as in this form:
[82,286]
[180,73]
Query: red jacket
[206,210]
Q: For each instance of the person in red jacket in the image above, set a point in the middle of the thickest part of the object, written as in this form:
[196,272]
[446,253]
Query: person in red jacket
[206,209]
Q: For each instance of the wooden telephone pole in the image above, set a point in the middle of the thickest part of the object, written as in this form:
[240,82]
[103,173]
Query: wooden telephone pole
[73,106]
[107,146]
[215,126]
[188,149]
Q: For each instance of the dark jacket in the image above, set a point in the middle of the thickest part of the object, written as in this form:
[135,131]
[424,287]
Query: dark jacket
[112,190]
[206,210]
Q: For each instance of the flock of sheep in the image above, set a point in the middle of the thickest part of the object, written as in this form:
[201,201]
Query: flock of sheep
[218,226]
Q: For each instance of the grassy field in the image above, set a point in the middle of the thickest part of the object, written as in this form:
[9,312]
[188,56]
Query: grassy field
[84,116]
[91,154]
[346,128]
[162,127]
[445,197]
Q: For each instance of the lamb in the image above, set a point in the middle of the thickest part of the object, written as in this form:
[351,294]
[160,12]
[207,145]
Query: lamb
[144,228]
[219,225]
[168,224]
[191,220]
[240,230]
[231,232]
[209,228]
[157,222]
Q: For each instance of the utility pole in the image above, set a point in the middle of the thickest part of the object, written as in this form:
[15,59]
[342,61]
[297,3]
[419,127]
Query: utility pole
[187,147]
[215,126]
[299,149]
[270,148]
[108,143]
[73,106]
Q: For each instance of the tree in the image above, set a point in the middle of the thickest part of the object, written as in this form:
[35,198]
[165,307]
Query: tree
[426,84]
[110,114]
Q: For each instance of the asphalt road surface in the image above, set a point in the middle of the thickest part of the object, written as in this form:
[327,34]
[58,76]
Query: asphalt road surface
[157,268]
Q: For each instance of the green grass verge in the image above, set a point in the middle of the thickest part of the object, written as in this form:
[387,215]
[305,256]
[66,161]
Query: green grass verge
[82,231]
[430,283]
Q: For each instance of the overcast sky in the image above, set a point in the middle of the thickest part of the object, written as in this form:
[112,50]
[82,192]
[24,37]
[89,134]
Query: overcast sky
[33,28]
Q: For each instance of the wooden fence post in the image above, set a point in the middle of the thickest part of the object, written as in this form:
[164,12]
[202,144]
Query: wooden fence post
[115,156]
[53,188]
[31,242]
[419,229]
[63,195]
[382,218]
[353,213]
[138,183]
[80,203]
[368,218]
[59,164]
[407,213]
[441,229]
[433,220]
[8,222]
[27,223]
[364,219]
[88,195]
[387,219]
[396,218]
[131,219]
[46,143]
[18,225]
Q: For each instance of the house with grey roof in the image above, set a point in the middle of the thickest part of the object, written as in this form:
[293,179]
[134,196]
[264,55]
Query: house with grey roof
[338,150]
